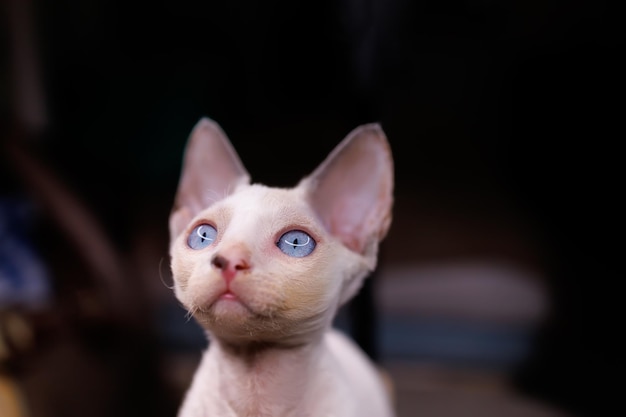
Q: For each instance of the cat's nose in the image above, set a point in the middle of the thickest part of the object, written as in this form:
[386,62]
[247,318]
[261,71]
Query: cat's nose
[230,262]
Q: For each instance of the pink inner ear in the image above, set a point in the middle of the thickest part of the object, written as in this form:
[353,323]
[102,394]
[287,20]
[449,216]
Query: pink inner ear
[211,168]
[353,195]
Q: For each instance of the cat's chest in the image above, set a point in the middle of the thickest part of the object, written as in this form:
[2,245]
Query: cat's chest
[272,387]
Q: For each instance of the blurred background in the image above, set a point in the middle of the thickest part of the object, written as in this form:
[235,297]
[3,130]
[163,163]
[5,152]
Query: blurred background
[493,295]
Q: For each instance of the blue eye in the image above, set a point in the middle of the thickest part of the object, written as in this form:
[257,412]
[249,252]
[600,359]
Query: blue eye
[296,243]
[201,236]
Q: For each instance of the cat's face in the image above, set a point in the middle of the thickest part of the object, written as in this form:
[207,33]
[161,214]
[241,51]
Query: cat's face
[267,290]
[254,263]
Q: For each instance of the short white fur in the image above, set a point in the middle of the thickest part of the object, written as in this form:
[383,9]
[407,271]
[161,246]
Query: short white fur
[268,316]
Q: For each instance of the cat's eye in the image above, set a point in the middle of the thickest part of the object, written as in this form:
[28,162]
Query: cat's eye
[296,243]
[201,236]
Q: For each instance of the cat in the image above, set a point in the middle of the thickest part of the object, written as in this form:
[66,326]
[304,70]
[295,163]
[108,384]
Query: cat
[264,271]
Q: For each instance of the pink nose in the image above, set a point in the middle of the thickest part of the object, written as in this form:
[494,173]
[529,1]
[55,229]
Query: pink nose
[230,262]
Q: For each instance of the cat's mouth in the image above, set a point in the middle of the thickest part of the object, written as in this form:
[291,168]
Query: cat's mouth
[234,302]
[230,303]
[228,295]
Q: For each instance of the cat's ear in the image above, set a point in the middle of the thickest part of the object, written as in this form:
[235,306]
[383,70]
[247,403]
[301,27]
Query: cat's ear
[211,170]
[352,190]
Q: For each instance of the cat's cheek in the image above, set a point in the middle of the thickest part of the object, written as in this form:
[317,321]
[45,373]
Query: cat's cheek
[195,285]
[312,289]
[204,289]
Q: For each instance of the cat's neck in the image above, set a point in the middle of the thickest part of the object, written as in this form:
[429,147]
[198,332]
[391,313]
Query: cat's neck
[273,380]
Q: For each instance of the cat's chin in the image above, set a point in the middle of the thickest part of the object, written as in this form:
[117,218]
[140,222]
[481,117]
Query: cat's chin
[231,320]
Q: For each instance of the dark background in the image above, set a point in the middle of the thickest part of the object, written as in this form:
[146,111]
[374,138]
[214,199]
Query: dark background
[515,101]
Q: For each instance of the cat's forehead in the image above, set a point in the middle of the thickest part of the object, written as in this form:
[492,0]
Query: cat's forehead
[260,203]
[259,196]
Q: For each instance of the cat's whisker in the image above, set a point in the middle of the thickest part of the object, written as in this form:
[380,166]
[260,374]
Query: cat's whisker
[213,196]
[191,312]
[169,287]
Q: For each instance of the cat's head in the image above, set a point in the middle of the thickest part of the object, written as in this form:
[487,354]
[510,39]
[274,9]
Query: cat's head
[255,263]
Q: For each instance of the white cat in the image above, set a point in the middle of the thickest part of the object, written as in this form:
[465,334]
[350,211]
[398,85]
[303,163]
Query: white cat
[264,270]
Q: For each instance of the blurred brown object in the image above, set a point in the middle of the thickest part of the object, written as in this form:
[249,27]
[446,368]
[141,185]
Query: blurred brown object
[11,401]
[91,350]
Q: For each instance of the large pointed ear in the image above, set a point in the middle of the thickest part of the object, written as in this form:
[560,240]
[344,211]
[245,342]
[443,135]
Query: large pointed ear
[352,190]
[211,170]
